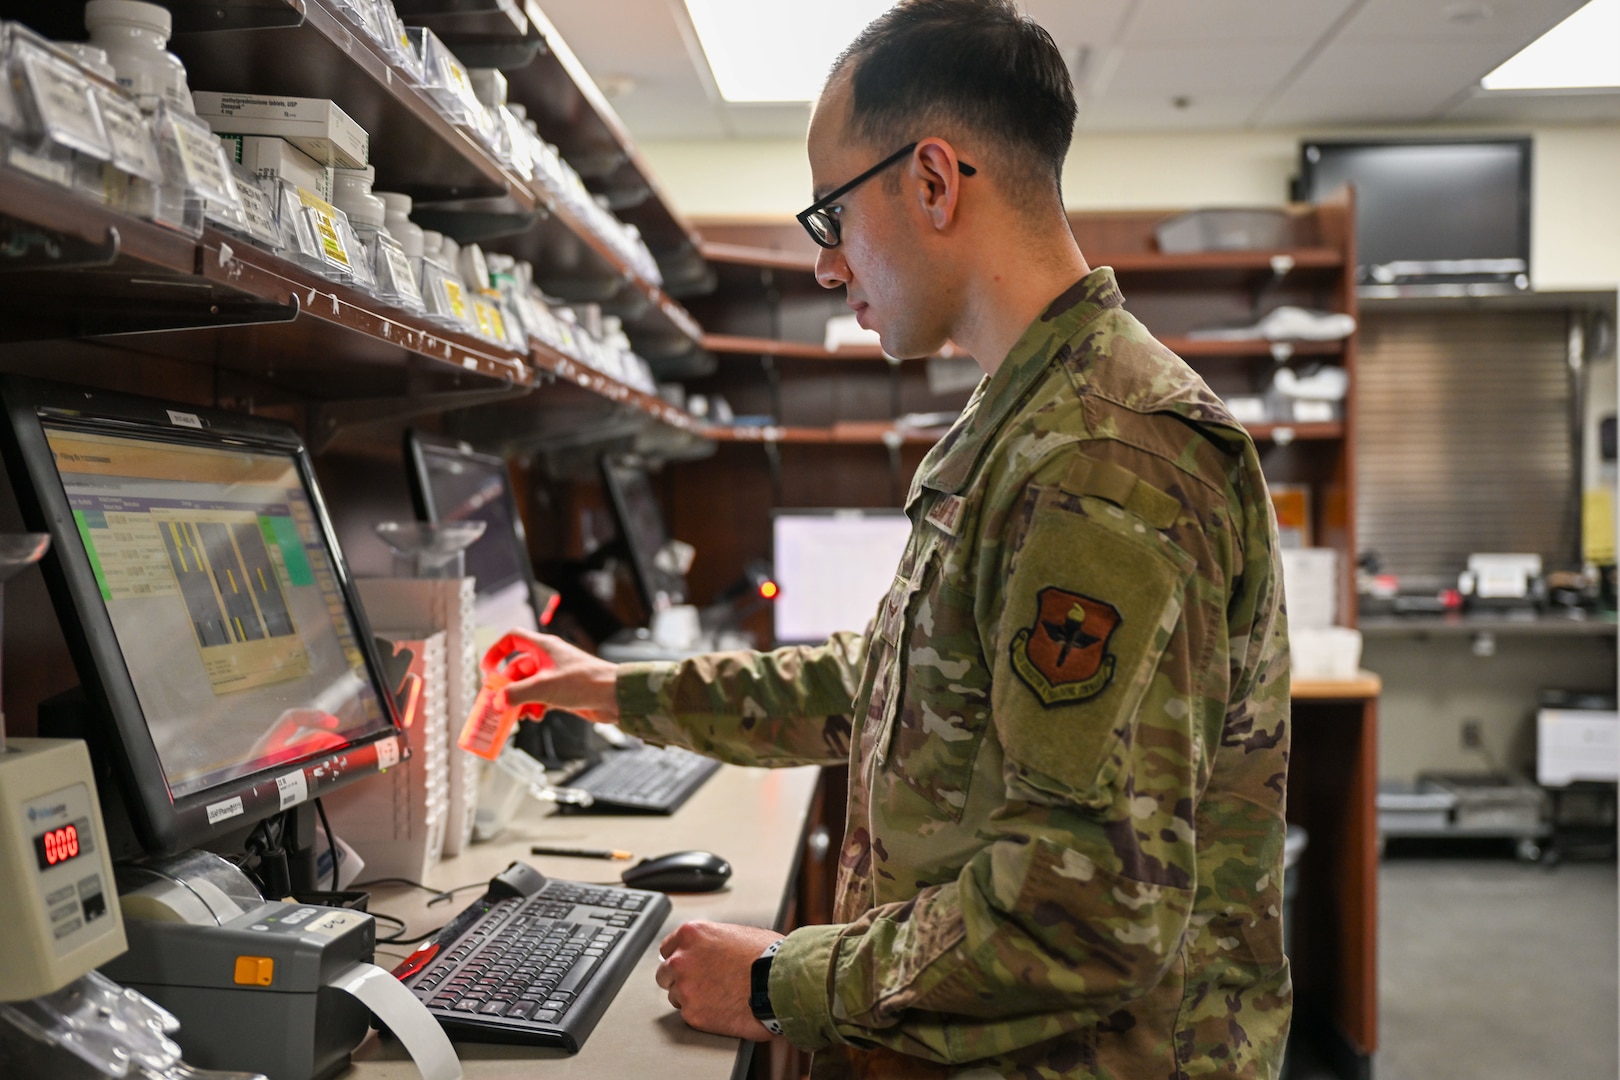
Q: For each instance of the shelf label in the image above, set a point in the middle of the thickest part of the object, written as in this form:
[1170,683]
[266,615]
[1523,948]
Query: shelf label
[261,215]
[62,99]
[323,219]
[134,150]
[458,299]
[397,265]
[202,160]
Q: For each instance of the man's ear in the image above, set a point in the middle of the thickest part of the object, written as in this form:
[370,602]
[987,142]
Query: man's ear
[938,182]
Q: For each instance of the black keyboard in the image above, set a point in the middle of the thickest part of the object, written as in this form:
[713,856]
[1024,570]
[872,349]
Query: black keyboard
[537,969]
[648,780]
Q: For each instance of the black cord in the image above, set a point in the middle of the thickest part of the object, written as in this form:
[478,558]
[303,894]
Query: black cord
[411,940]
[440,896]
[331,842]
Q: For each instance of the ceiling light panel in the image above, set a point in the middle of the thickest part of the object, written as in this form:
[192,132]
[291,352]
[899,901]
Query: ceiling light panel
[1580,53]
[777,50]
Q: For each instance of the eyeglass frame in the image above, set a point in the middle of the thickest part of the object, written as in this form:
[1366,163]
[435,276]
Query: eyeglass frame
[821,204]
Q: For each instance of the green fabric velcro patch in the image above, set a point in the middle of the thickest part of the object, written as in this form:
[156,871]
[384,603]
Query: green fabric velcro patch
[1112,483]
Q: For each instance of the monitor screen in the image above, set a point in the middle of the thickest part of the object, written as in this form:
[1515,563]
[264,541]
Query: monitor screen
[1439,210]
[641,527]
[451,482]
[223,600]
[833,567]
[198,582]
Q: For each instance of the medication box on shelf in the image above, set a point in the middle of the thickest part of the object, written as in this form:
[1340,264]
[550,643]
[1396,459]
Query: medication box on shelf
[316,126]
[270,158]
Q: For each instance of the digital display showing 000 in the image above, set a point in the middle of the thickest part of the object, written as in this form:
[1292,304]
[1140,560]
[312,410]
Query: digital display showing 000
[57,846]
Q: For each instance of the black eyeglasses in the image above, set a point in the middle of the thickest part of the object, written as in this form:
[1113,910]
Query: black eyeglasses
[824,228]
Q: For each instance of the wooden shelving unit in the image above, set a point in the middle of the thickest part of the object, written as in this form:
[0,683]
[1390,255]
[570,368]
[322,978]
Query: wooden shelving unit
[303,48]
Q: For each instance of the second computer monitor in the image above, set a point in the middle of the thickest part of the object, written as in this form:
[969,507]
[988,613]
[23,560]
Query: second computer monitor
[833,568]
[642,529]
[452,482]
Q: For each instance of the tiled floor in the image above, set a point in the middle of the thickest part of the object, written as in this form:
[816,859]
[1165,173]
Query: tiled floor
[1492,968]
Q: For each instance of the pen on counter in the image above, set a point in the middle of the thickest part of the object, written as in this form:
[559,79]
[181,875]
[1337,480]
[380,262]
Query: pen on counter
[580,853]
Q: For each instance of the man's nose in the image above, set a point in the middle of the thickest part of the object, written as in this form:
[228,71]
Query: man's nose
[831,268]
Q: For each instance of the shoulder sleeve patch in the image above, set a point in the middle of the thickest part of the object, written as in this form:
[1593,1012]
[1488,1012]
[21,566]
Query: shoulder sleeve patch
[1064,656]
[1112,483]
[1090,607]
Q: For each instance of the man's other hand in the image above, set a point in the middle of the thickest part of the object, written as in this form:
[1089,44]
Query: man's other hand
[706,971]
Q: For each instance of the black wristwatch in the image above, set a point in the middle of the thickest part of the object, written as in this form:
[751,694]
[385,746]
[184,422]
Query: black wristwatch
[759,989]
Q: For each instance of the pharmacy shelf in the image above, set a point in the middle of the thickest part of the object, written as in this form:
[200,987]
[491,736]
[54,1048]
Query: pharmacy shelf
[882,432]
[230,263]
[80,270]
[547,79]
[1283,434]
[1531,624]
[1186,348]
[1253,348]
[739,345]
[324,55]
[418,152]
[1280,262]
[855,433]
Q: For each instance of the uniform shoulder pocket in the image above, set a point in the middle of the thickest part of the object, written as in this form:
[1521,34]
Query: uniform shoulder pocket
[1094,597]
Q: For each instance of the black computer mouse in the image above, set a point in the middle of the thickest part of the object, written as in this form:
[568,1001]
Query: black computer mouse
[679,871]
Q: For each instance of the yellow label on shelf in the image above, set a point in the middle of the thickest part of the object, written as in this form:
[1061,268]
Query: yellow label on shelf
[489,319]
[1597,526]
[458,301]
[324,216]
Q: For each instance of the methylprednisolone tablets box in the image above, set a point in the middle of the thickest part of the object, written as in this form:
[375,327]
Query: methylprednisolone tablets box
[316,126]
[268,157]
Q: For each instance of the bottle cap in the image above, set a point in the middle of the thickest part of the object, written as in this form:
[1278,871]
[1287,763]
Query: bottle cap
[396,203]
[128,13]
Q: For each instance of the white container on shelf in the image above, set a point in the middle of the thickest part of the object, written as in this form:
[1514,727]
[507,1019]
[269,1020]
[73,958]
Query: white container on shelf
[400,225]
[135,36]
[1331,653]
[351,193]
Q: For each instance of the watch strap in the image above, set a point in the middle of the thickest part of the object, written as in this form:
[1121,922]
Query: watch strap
[759,996]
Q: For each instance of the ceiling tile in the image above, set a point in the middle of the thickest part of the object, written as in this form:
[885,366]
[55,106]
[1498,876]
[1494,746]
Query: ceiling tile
[1163,72]
[1512,24]
[1376,82]
[1163,22]
[1207,111]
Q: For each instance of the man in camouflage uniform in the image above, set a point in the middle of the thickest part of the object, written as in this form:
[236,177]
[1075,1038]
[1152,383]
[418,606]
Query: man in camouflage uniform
[1069,742]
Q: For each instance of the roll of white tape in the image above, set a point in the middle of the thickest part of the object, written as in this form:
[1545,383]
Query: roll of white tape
[405,1016]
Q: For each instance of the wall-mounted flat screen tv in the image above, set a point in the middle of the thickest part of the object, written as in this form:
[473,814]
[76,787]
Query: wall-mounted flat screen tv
[1435,215]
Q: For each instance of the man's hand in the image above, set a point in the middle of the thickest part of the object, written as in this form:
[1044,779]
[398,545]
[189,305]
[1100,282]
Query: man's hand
[576,681]
[706,973]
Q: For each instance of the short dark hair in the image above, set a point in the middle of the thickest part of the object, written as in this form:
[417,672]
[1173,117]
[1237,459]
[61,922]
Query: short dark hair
[979,65]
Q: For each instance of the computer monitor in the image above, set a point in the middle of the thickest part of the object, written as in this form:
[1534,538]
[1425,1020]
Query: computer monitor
[452,482]
[229,669]
[1431,210]
[833,568]
[642,530]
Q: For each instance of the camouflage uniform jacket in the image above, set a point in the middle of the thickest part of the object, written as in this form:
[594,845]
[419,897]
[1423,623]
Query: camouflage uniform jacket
[1064,849]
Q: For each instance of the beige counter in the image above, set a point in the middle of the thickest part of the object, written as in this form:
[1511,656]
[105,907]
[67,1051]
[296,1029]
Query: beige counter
[754,818]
